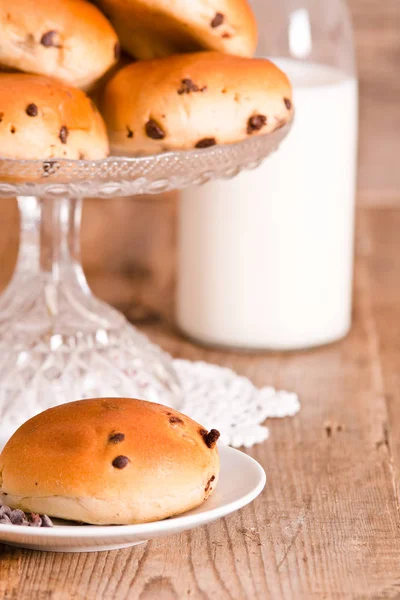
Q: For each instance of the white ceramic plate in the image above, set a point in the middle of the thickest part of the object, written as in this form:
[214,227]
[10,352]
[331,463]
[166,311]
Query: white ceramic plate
[241,480]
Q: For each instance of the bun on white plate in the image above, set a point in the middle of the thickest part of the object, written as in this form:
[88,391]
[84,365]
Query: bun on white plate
[109,461]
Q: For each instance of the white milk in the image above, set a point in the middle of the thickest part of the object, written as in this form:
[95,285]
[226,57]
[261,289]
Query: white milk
[265,260]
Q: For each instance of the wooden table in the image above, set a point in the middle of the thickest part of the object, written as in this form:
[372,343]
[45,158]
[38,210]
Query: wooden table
[328,522]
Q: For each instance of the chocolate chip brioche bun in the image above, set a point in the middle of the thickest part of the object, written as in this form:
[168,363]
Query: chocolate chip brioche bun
[109,461]
[155,28]
[67,39]
[42,118]
[194,101]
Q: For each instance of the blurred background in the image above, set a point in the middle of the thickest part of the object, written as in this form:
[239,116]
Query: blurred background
[126,243]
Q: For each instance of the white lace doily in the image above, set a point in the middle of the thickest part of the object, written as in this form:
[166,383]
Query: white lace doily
[219,398]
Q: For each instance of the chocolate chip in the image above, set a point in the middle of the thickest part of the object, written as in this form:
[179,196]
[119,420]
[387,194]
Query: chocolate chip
[176,420]
[226,36]
[130,132]
[255,123]
[49,39]
[63,135]
[154,131]
[209,482]
[1,116]
[50,167]
[12,129]
[5,511]
[5,520]
[206,143]
[120,462]
[217,20]
[32,110]
[17,517]
[188,86]
[211,438]
[117,51]
[35,520]
[46,521]
[288,103]
[115,438]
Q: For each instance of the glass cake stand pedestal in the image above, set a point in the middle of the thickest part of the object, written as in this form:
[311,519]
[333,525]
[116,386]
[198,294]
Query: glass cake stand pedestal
[58,342]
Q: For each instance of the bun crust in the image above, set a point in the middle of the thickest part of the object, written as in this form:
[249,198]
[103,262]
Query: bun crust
[194,100]
[155,28]
[67,39]
[109,461]
[42,118]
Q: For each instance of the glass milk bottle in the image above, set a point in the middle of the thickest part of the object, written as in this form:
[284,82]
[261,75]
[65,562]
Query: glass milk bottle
[266,259]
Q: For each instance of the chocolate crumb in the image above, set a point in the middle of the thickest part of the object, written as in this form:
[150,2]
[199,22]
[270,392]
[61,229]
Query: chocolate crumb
[130,132]
[120,462]
[49,39]
[1,116]
[32,110]
[35,520]
[82,156]
[154,131]
[217,20]
[17,517]
[226,36]
[50,167]
[255,123]
[116,438]
[288,103]
[117,51]
[209,482]
[188,86]
[211,438]
[206,143]
[12,129]
[176,420]
[5,511]
[63,135]
[46,521]
[5,520]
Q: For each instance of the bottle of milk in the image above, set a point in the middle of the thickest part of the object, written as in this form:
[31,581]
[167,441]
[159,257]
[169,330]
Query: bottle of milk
[266,259]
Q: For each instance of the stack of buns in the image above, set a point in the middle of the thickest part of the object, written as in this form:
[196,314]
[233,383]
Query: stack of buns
[187,78]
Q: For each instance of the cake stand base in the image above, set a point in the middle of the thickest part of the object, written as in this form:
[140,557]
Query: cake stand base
[58,343]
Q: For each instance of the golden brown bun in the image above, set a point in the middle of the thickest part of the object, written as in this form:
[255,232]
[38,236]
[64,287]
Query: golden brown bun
[154,28]
[109,461]
[43,118]
[67,39]
[194,100]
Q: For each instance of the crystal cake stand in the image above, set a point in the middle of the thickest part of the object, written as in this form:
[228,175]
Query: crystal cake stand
[57,341]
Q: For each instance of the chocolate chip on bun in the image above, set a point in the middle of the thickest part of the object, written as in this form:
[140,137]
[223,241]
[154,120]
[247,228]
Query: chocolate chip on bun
[154,28]
[195,100]
[109,461]
[67,39]
[42,118]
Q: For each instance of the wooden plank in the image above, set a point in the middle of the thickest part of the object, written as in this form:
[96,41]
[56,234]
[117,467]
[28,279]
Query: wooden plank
[382,248]
[327,525]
